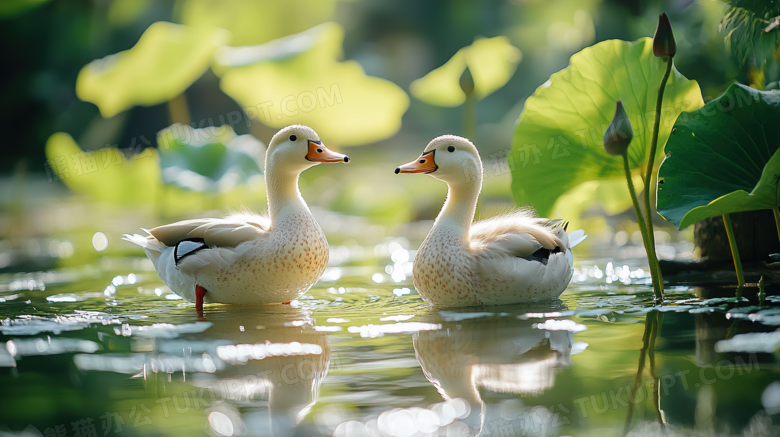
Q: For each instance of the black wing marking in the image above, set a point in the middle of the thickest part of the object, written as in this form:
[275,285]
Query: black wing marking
[542,255]
[187,247]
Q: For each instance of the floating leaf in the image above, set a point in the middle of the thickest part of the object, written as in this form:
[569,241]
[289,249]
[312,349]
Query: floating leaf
[166,60]
[722,158]
[492,62]
[105,174]
[335,98]
[213,159]
[558,142]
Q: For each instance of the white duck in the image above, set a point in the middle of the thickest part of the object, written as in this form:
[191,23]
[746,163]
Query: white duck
[511,258]
[246,258]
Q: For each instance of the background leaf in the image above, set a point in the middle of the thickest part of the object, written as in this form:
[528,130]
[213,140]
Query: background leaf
[558,142]
[337,99]
[253,22]
[105,175]
[164,62]
[492,62]
[722,158]
[213,159]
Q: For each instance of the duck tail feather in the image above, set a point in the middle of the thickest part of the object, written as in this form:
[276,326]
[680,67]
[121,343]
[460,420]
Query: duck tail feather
[147,243]
[576,237]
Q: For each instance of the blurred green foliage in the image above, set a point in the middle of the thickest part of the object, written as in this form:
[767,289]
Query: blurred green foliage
[109,175]
[12,8]
[722,158]
[166,60]
[491,61]
[387,45]
[752,30]
[254,22]
[213,160]
[558,143]
[337,99]
[105,174]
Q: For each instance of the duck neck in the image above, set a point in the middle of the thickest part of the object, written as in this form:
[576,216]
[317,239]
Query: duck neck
[458,210]
[282,192]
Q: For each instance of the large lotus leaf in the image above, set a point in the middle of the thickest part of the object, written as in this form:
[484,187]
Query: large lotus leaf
[164,62]
[492,62]
[106,174]
[722,158]
[337,99]
[213,159]
[253,22]
[558,142]
[611,195]
[275,50]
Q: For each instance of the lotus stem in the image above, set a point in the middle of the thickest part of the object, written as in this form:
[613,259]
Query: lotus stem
[649,178]
[178,111]
[470,116]
[657,290]
[734,253]
[777,221]
[761,291]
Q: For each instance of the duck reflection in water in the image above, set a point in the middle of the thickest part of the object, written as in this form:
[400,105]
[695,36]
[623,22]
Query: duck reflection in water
[500,354]
[272,354]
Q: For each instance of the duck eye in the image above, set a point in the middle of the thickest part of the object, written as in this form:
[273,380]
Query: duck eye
[450,149]
[293,138]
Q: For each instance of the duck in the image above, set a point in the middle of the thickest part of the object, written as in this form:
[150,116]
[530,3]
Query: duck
[247,258]
[511,258]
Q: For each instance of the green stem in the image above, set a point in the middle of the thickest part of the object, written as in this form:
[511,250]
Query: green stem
[649,174]
[734,252]
[777,220]
[470,116]
[178,111]
[657,290]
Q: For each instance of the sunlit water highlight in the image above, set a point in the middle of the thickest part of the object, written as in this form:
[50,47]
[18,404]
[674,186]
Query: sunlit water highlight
[362,355]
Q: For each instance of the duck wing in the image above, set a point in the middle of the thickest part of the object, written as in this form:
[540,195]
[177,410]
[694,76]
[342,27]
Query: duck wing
[518,234]
[228,232]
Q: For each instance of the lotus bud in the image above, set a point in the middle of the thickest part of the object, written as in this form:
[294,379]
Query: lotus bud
[619,133]
[467,82]
[663,40]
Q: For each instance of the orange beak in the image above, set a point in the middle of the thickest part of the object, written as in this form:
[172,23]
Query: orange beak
[424,164]
[319,153]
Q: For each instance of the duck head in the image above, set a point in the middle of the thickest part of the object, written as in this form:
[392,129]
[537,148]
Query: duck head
[448,158]
[297,148]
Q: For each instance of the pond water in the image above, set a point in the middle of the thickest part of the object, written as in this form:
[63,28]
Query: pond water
[106,349]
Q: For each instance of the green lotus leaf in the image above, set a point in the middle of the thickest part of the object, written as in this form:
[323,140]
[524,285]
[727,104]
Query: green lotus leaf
[106,174]
[722,158]
[253,22]
[212,159]
[164,62]
[558,142]
[492,62]
[337,99]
